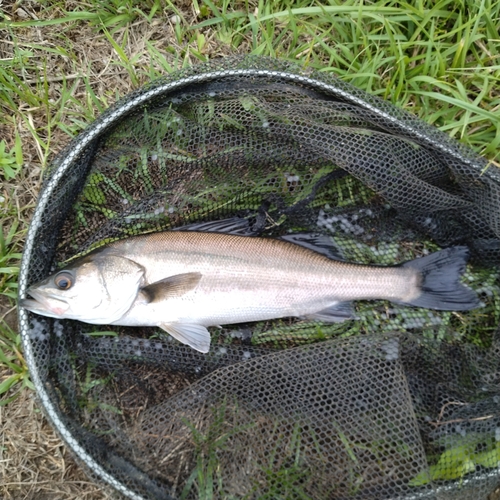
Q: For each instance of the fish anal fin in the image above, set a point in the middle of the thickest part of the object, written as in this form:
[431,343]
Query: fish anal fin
[336,313]
[172,286]
[191,334]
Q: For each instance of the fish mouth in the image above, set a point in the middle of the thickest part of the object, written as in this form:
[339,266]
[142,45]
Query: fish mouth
[46,305]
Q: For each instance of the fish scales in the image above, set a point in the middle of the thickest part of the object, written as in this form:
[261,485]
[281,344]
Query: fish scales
[273,274]
[186,281]
[252,258]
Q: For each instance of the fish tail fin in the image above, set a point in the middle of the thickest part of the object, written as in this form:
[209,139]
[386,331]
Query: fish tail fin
[440,281]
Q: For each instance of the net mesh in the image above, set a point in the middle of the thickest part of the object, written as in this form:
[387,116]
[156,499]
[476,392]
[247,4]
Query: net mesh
[400,403]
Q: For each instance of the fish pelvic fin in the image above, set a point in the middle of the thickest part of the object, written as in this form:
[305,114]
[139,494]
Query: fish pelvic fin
[336,313]
[440,286]
[191,334]
[172,286]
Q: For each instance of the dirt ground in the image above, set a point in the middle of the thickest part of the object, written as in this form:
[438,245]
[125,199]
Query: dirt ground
[34,463]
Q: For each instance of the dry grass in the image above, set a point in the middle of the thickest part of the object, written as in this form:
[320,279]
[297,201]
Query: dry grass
[34,463]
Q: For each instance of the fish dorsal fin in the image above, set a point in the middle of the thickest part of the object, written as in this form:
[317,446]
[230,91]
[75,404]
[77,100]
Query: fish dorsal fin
[319,243]
[233,225]
[192,334]
[172,286]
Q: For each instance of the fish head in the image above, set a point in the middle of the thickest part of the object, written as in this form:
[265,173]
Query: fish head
[96,289]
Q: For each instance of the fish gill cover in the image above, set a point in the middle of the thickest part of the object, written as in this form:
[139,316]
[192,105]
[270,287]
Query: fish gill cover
[401,402]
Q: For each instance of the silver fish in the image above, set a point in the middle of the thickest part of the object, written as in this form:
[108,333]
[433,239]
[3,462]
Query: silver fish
[186,281]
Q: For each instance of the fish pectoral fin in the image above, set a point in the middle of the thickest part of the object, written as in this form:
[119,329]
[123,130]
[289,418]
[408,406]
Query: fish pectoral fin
[192,334]
[336,313]
[172,286]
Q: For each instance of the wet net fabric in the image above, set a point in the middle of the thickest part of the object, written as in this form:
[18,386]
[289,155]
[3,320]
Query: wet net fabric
[400,403]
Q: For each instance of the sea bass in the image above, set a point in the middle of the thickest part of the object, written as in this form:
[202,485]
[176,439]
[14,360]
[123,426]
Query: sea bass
[186,281]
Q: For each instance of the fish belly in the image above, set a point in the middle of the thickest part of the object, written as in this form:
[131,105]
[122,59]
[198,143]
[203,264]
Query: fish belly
[225,307]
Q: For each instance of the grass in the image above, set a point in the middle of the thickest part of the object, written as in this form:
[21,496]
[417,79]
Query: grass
[62,63]
[11,357]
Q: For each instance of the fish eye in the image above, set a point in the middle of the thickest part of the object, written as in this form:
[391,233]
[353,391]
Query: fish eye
[64,280]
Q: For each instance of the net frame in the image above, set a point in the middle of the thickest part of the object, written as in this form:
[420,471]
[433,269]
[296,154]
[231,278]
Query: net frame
[85,143]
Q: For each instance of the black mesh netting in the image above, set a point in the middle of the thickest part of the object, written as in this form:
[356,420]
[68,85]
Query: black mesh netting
[400,403]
